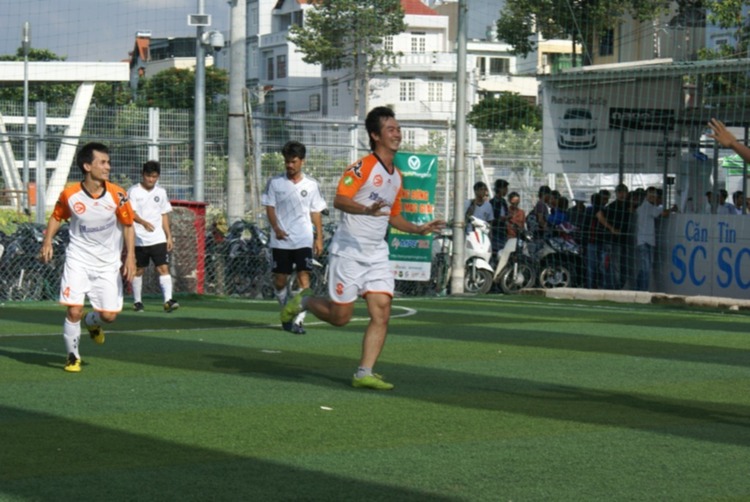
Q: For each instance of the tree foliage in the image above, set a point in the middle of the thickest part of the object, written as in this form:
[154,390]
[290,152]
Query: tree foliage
[728,15]
[508,111]
[175,88]
[578,20]
[349,34]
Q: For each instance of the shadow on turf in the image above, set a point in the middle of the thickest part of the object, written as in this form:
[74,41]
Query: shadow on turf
[48,458]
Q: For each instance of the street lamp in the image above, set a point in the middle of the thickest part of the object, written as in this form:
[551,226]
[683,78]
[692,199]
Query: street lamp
[26,45]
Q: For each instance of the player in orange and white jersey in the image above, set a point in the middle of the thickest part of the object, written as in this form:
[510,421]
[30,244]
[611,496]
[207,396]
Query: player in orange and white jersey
[369,199]
[101,219]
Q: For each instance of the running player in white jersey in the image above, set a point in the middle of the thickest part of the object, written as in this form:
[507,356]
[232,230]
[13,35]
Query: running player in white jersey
[100,220]
[292,201]
[153,236]
[369,199]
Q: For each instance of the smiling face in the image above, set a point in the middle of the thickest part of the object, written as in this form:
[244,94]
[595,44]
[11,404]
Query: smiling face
[98,169]
[389,138]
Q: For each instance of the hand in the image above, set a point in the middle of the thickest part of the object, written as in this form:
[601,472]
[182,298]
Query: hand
[280,234]
[45,254]
[721,134]
[148,226]
[375,209]
[432,227]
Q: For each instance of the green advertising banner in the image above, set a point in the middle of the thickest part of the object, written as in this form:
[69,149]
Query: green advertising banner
[411,255]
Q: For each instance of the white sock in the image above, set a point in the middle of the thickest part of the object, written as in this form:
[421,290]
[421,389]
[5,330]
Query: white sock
[165,282]
[72,335]
[137,285]
[92,319]
[281,295]
[300,317]
[363,372]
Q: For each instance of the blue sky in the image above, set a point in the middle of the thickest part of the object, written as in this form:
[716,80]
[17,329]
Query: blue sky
[99,30]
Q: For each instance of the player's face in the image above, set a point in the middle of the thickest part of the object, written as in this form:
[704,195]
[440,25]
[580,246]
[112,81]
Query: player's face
[390,135]
[99,168]
[149,180]
[293,167]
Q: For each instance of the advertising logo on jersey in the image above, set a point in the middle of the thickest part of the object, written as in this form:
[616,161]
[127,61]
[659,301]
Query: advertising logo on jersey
[123,198]
[356,169]
[79,208]
[377,180]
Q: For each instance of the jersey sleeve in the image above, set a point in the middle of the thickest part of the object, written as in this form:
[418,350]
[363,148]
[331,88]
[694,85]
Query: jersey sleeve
[62,208]
[268,197]
[124,211]
[355,176]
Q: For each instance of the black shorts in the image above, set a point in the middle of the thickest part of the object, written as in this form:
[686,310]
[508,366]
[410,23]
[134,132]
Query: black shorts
[156,253]
[286,260]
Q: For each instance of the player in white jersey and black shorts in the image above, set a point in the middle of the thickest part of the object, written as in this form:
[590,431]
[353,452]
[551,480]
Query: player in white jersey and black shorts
[153,235]
[294,203]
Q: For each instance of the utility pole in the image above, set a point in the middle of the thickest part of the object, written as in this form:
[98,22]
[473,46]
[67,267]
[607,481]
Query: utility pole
[200,21]
[459,192]
[26,45]
[237,139]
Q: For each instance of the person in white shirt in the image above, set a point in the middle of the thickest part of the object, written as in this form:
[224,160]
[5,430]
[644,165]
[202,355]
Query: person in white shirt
[101,220]
[480,206]
[368,198]
[646,213]
[294,204]
[153,236]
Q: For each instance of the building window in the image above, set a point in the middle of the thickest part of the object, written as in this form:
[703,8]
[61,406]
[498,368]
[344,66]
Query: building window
[418,42]
[335,95]
[281,66]
[297,18]
[315,103]
[410,136]
[268,104]
[499,66]
[281,108]
[607,43]
[435,90]
[269,68]
[388,43]
[407,90]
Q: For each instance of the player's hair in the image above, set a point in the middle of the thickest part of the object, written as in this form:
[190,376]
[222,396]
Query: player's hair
[374,121]
[293,149]
[86,154]
[151,166]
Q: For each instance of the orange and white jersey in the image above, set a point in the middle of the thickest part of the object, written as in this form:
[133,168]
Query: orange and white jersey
[95,224]
[362,237]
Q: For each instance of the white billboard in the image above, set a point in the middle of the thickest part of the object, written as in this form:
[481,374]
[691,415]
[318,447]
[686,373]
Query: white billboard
[597,127]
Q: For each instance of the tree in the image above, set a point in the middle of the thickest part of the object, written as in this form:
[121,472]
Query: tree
[579,20]
[728,14]
[175,88]
[509,111]
[349,34]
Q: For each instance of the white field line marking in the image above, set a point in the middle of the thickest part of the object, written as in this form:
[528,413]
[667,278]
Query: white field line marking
[407,312]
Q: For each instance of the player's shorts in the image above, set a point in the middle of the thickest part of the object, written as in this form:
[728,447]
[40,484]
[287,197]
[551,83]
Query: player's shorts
[348,279]
[103,287]
[286,260]
[156,253]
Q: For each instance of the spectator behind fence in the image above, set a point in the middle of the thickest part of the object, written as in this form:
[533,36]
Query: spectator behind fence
[500,215]
[479,206]
[646,215]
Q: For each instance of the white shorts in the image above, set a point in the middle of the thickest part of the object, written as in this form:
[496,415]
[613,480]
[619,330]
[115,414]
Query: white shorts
[103,287]
[348,279]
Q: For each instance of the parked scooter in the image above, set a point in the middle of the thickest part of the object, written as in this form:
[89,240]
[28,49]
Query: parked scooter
[477,255]
[248,261]
[559,259]
[515,269]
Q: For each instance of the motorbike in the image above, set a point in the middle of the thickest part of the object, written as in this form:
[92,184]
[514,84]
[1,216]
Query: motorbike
[515,268]
[23,276]
[477,254]
[559,259]
[248,261]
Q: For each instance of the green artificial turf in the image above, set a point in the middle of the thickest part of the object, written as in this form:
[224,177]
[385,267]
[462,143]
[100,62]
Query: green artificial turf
[496,399]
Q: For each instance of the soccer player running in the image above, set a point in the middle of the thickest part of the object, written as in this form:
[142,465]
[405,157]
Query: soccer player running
[369,199]
[292,201]
[153,236]
[100,220]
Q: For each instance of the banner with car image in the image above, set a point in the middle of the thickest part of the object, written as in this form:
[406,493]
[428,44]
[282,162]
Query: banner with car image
[607,125]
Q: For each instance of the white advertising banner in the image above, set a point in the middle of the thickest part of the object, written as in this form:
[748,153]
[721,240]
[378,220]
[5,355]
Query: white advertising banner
[594,127]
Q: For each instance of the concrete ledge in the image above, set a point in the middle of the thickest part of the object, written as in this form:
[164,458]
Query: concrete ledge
[642,297]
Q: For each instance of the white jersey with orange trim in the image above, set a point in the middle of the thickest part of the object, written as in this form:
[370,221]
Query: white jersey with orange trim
[362,237]
[150,205]
[95,224]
